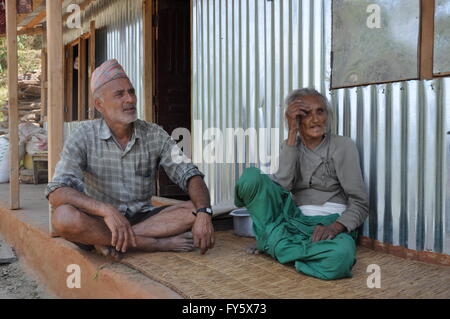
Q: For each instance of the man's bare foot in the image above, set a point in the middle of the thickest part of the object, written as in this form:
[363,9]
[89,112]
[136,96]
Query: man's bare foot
[108,251]
[179,243]
[252,250]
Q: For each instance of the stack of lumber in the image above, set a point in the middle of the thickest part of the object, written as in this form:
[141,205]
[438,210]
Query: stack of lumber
[29,95]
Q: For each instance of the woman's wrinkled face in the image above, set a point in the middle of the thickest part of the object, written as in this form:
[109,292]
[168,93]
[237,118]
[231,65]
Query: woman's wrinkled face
[314,124]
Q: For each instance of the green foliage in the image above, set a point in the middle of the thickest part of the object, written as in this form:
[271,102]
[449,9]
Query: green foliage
[3,54]
[28,56]
[3,95]
[3,99]
[25,45]
[29,60]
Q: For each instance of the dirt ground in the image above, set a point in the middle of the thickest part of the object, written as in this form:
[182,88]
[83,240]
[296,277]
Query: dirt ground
[15,283]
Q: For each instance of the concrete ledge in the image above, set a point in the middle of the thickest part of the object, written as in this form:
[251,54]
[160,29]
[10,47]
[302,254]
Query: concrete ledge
[48,258]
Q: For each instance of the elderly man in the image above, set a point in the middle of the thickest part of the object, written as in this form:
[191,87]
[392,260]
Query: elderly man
[104,181]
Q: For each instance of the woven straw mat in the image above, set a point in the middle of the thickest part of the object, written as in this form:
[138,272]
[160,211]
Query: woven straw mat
[227,271]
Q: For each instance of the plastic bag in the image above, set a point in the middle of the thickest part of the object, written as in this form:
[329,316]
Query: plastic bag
[27,129]
[4,160]
[37,144]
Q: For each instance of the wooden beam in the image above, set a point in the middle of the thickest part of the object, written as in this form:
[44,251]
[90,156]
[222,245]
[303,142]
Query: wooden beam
[74,42]
[148,59]
[41,16]
[55,87]
[91,68]
[426,39]
[21,17]
[43,83]
[37,19]
[31,31]
[44,78]
[36,4]
[11,35]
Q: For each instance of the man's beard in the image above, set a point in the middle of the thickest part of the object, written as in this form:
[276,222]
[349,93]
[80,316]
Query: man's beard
[131,117]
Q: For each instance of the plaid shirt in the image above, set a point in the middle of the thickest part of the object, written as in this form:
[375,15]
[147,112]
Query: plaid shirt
[92,162]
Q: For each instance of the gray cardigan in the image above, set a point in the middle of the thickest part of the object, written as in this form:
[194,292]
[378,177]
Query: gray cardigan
[329,173]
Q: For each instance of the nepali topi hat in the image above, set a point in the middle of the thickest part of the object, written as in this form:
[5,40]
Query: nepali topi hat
[107,72]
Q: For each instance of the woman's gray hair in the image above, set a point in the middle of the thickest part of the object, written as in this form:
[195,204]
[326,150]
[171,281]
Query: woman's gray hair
[299,93]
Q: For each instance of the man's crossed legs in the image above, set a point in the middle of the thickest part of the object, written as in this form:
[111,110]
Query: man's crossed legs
[168,230]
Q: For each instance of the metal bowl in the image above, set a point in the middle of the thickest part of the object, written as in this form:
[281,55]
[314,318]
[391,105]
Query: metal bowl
[242,223]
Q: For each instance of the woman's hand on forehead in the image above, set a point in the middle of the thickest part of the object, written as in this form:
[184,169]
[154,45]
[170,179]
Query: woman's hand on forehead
[302,106]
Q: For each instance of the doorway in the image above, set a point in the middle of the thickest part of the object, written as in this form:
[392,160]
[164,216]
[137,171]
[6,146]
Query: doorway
[77,80]
[172,100]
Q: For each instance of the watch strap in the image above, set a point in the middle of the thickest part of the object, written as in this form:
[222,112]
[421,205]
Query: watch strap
[206,210]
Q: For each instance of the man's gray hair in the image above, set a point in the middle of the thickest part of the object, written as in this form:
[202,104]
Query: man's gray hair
[98,94]
[299,93]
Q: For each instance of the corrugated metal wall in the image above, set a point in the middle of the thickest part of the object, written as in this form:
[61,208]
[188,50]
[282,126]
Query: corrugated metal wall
[249,54]
[122,20]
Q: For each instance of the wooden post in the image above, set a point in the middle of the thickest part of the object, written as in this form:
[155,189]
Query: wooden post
[44,83]
[82,79]
[55,86]
[148,60]
[69,92]
[78,79]
[91,68]
[191,72]
[426,39]
[13,114]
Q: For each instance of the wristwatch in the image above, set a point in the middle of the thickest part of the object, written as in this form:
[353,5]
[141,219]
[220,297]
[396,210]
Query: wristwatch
[206,210]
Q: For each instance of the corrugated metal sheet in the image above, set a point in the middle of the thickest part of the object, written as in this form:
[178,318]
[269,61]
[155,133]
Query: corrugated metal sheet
[249,54]
[122,22]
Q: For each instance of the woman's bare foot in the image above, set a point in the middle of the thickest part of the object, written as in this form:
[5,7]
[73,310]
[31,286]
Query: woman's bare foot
[179,243]
[252,250]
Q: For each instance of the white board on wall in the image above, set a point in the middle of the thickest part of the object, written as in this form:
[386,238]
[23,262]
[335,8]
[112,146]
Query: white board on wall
[374,41]
[441,64]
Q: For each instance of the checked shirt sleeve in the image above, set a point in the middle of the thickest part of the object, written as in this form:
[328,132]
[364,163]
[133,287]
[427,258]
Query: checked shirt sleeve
[69,169]
[177,166]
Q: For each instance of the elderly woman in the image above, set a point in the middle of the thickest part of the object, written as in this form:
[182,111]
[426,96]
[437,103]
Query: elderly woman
[308,212]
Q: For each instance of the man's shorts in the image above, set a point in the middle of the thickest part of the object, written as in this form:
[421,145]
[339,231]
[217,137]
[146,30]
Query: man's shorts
[135,219]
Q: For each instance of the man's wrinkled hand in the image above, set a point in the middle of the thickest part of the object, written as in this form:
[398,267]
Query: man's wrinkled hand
[327,232]
[203,232]
[122,234]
